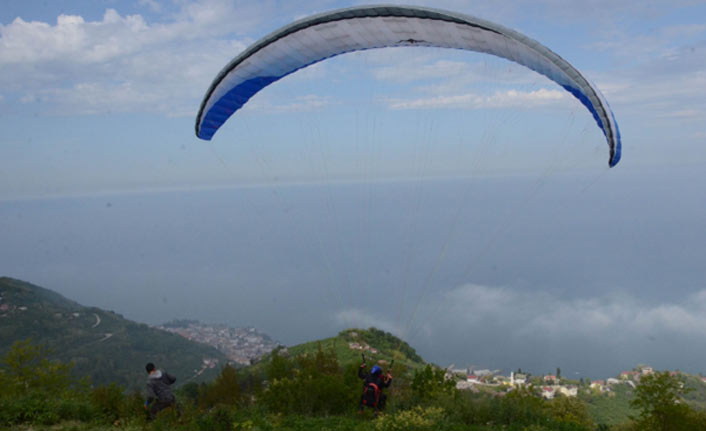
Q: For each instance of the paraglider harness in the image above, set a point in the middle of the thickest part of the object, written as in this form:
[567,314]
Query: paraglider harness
[372,392]
[371,395]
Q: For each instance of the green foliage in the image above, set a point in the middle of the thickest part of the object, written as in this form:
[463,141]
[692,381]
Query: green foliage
[35,389]
[279,367]
[107,401]
[521,406]
[309,385]
[110,403]
[225,390]
[415,419]
[41,409]
[26,368]
[101,344]
[659,400]
[388,348]
[387,342]
[189,392]
[314,390]
[470,409]
[610,410]
[570,410]
[695,395]
[429,383]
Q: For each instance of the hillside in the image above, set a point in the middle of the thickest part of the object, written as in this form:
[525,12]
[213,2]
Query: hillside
[101,344]
[374,343]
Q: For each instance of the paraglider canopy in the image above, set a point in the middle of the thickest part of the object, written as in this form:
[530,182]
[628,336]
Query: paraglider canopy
[325,35]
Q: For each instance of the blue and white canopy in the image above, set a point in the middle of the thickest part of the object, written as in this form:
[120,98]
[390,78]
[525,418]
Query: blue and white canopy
[325,35]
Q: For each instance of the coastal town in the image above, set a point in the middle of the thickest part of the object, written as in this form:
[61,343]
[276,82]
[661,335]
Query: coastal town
[247,345]
[549,385]
[243,346]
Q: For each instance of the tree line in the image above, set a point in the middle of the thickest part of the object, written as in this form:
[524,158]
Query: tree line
[313,391]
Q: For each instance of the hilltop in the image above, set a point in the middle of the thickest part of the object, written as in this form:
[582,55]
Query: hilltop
[375,344]
[101,344]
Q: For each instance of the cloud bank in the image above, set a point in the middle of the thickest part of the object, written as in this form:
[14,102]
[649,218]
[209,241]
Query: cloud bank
[503,327]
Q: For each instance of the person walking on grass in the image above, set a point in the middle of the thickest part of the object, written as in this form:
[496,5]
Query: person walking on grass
[159,391]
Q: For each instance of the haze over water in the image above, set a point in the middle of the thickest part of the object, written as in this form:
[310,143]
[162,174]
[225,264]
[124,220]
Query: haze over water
[526,271]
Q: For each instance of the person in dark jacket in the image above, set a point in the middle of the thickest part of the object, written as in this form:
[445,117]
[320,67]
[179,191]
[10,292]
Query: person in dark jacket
[159,392]
[373,384]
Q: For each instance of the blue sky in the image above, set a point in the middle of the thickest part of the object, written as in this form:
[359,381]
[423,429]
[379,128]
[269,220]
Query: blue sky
[131,75]
[97,107]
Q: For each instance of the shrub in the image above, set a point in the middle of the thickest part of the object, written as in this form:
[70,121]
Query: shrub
[569,410]
[429,383]
[39,409]
[310,384]
[225,389]
[521,406]
[26,368]
[415,419]
[220,418]
[109,402]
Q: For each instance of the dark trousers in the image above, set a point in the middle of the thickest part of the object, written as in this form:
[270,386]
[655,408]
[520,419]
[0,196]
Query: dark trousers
[160,405]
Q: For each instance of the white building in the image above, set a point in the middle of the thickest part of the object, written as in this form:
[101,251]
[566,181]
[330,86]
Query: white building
[569,391]
[517,379]
[548,392]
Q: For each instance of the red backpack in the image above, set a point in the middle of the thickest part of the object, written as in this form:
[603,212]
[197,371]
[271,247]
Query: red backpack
[371,395]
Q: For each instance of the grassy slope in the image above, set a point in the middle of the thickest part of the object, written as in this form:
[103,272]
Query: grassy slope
[389,347]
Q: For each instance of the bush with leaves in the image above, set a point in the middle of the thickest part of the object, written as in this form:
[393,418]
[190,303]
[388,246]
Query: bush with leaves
[468,408]
[659,399]
[429,383]
[415,419]
[109,402]
[570,411]
[26,368]
[521,406]
[38,390]
[309,385]
[225,390]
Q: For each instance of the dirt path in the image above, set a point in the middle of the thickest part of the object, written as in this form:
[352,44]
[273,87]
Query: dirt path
[98,321]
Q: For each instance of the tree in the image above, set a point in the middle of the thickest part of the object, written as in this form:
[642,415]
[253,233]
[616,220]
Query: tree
[570,410]
[658,398]
[522,406]
[309,384]
[224,390]
[27,368]
[429,383]
[279,367]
